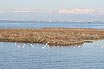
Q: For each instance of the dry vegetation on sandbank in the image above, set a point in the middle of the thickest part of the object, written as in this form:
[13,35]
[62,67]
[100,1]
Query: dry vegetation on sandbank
[52,36]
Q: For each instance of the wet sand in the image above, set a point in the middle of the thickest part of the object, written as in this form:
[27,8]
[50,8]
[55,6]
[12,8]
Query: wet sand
[52,36]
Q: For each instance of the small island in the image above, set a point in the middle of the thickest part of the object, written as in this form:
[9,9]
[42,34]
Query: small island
[52,36]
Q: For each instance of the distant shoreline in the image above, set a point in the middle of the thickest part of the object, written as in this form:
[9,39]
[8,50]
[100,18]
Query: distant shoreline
[27,21]
[51,36]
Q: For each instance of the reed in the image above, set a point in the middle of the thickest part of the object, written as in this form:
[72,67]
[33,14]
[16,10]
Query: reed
[52,36]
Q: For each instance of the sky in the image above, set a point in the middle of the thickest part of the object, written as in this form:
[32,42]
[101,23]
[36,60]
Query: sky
[71,10]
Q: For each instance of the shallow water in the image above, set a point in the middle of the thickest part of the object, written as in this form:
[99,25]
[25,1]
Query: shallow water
[39,56]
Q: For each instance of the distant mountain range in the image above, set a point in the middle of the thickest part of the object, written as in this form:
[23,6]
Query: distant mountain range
[33,21]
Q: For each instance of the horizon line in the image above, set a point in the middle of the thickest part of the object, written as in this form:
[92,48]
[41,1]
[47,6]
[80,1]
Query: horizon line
[44,21]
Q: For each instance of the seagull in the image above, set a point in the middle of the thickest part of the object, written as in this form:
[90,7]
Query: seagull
[47,43]
[18,46]
[31,44]
[15,43]
[102,47]
[43,47]
[58,46]
[79,46]
[24,44]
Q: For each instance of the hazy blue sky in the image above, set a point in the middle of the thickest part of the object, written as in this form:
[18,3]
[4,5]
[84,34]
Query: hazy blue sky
[51,4]
[90,9]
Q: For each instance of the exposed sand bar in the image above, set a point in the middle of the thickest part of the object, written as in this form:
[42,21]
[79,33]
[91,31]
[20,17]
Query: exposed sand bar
[51,36]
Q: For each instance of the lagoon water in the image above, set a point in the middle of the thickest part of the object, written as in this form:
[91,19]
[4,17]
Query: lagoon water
[98,25]
[40,56]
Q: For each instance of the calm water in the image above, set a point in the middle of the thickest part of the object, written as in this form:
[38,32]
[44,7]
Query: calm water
[53,25]
[40,56]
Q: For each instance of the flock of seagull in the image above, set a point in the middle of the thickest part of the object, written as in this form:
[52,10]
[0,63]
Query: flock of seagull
[46,45]
[98,46]
[32,45]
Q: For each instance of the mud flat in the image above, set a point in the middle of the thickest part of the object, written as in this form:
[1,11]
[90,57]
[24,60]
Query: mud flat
[52,36]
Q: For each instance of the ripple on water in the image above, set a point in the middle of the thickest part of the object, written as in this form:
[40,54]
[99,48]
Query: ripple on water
[51,57]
